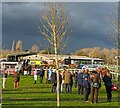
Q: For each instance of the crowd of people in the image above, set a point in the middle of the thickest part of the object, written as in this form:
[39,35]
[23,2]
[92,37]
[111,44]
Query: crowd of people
[87,82]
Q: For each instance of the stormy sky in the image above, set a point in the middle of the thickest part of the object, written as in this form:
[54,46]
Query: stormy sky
[88,21]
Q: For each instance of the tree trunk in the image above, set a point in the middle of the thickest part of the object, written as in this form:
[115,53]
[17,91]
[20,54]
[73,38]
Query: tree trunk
[57,71]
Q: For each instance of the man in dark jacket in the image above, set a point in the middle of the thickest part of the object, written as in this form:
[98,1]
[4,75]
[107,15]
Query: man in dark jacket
[41,73]
[29,69]
[80,82]
[60,81]
[108,84]
[53,81]
[86,83]
[75,78]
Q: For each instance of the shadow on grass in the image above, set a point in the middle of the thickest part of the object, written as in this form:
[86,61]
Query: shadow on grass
[109,102]
[113,98]
[26,92]
[22,89]
[28,99]
[30,87]
[33,87]
[28,106]
[101,100]
[3,90]
[21,106]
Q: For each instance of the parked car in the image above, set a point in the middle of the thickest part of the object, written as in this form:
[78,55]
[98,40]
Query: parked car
[91,68]
[86,66]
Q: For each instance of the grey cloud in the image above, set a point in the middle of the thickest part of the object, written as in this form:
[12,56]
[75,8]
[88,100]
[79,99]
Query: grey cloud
[87,20]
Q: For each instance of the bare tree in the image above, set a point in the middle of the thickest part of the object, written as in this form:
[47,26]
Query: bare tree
[3,50]
[113,34]
[95,52]
[83,52]
[54,27]
[105,54]
[35,48]
[19,46]
[47,51]
[113,54]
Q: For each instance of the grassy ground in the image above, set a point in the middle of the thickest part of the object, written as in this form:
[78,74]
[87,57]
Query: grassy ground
[31,95]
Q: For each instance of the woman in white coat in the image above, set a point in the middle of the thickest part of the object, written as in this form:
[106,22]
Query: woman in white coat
[35,76]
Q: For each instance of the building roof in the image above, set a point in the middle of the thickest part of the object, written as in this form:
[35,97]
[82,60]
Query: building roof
[23,54]
[60,57]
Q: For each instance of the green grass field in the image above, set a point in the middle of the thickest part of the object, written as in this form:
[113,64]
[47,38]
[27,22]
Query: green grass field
[31,95]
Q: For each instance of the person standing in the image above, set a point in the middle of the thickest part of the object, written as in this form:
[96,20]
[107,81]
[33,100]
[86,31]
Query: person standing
[86,83]
[62,84]
[60,81]
[67,81]
[41,73]
[46,75]
[71,82]
[75,78]
[80,82]
[16,77]
[5,74]
[108,84]
[29,69]
[35,76]
[53,81]
[95,86]
[49,74]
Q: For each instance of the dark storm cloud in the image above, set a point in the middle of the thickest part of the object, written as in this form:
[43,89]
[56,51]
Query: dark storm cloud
[20,17]
[92,17]
[88,22]
[19,23]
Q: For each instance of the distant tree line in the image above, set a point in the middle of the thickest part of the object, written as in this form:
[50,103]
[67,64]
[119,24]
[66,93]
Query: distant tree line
[17,47]
[96,52]
[107,54]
